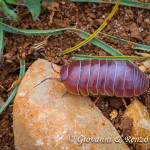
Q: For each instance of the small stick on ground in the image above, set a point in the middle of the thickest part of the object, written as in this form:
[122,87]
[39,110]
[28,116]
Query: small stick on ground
[15,83]
[2,87]
[41,44]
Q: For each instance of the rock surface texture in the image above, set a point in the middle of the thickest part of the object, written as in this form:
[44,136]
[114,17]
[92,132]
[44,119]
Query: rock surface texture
[140,136]
[45,120]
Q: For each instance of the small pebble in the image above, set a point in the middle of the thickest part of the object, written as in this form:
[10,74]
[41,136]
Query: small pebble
[113,114]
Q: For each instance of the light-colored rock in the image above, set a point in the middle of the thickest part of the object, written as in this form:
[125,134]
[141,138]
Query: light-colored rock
[141,125]
[145,66]
[45,120]
[142,68]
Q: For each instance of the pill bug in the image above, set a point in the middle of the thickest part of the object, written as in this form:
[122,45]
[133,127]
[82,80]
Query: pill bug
[102,77]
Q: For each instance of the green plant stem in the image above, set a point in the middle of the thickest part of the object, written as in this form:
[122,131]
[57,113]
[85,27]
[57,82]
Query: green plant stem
[8,28]
[123,2]
[8,11]
[1,42]
[83,35]
[22,71]
[134,45]
[84,57]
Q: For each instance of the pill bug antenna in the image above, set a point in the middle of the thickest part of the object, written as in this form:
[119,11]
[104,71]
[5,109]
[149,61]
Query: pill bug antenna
[49,78]
[53,67]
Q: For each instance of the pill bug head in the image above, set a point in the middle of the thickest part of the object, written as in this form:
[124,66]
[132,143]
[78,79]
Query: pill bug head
[63,73]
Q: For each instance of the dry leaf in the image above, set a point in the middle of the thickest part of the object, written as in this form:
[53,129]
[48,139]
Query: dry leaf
[53,6]
[143,54]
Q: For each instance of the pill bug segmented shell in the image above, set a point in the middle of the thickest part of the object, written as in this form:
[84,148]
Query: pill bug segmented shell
[105,77]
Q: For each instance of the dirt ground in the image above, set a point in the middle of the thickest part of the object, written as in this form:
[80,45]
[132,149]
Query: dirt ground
[128,23]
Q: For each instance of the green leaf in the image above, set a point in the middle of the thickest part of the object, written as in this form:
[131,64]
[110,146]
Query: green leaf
[123,2]
[135,45]
[84,57]
[30,32]
[1,42]
[101,44]
[59,31]
[14,2]
[34,6]
[8,11]
[22,71]
[83,34]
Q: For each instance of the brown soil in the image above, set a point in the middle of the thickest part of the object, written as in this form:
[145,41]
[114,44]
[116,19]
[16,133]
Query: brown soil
[128,23]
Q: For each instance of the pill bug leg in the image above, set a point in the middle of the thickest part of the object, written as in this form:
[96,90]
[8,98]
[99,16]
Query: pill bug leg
[66,92]
[131,100]
[49,78]
[94,103]
[124,102]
